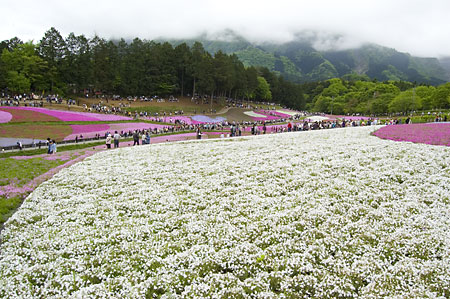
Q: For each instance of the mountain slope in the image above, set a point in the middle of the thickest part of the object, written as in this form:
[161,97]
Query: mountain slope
[299,61]
[445,63]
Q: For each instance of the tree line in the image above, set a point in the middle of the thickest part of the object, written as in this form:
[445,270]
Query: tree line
[76,64]
[369,97]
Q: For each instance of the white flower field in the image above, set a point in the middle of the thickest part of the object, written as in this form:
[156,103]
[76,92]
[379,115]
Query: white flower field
[329,213]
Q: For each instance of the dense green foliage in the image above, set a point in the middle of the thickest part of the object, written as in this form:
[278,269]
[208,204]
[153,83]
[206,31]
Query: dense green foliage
[76,64]
[339,96]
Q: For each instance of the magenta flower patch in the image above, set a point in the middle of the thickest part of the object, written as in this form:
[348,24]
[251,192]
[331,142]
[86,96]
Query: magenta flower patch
[89,131]
[274,113]
[134,126]
[85,130]
[72,115]
[5,116]
[429,133]
[269,115]
[171,119]
[82,129]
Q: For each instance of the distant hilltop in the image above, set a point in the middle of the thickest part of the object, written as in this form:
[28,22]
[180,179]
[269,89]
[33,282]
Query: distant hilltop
[301,61]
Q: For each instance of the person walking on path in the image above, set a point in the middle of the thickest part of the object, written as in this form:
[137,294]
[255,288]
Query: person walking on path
[49,146]
[52,146]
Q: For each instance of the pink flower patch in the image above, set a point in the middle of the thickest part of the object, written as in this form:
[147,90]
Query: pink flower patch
[56,157]
[430,133]
[269,116]
[134,126]
[85,130]
[171,119]
[274,113]
[74,116]
[89,131]
[5,116]
[23,157]
[351,118]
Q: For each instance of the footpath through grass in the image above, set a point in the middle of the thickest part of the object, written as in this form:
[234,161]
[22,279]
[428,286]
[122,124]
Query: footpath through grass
[61,148]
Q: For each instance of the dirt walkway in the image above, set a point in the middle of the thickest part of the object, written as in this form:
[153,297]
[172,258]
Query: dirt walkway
[223,110]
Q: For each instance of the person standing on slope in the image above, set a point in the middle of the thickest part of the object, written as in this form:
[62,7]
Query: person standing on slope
[116,139]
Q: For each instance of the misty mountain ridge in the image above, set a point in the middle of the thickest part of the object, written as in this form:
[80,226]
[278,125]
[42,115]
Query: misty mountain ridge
[312,56]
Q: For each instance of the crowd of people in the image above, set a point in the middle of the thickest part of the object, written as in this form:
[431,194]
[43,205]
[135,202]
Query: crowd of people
[34,100]
[277,125]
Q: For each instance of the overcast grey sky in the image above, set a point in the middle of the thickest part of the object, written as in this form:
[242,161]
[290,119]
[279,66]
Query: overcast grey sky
[419,27]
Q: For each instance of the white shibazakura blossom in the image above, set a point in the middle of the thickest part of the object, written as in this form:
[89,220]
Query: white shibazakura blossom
[254,114]
[316,118]
[288,112]
[327,213]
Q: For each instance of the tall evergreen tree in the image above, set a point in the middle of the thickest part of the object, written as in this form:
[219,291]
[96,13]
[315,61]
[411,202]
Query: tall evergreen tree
[183,58]
[52,50]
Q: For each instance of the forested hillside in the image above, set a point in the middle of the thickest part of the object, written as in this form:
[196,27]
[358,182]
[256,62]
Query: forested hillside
[299,61]
[339,96]
[445,62]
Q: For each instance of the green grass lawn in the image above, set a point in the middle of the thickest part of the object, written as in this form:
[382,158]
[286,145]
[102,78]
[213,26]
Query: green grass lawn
[15,175]
[23,171]
[8,206]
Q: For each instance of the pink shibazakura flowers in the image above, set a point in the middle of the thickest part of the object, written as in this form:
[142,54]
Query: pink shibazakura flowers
[277,114]
[83,129]
[89,131]
[259,116]
[350,118]
[72,115]
[429,133]
[171,119]
[5,117]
